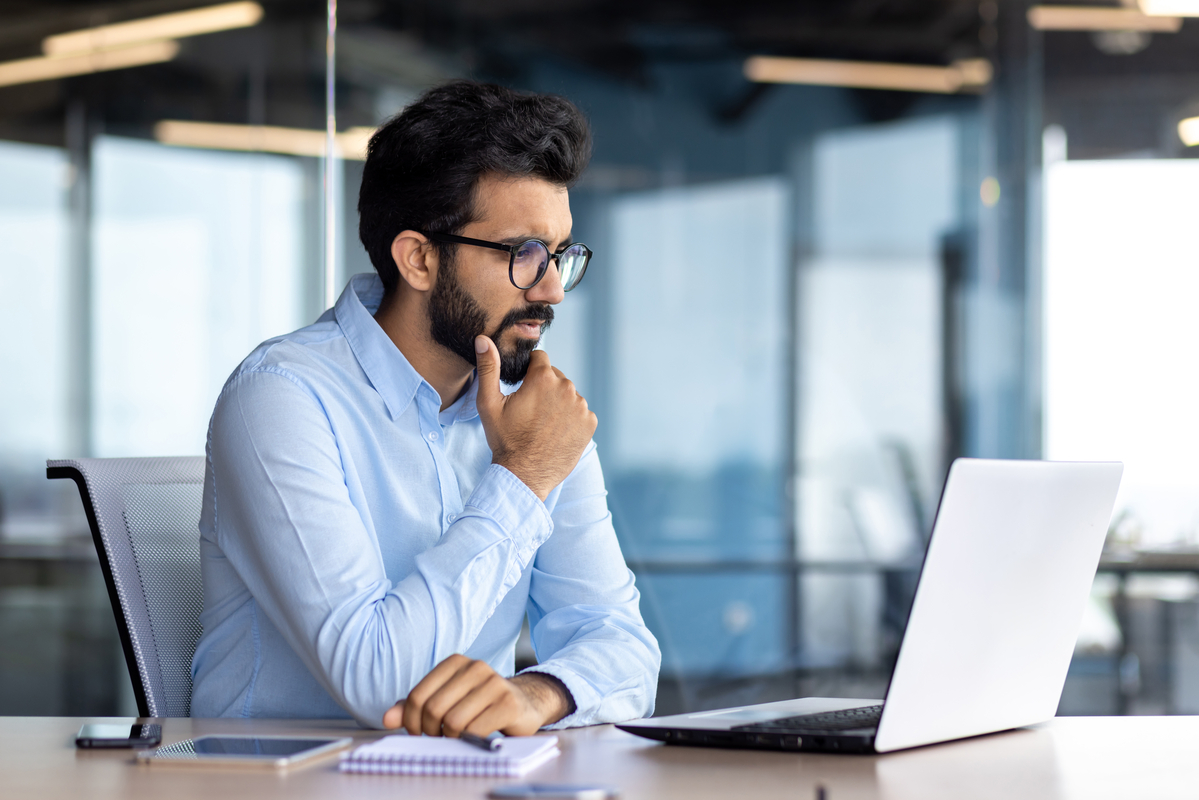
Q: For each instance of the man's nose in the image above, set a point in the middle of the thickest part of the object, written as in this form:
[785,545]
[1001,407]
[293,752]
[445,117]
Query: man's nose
[549,288]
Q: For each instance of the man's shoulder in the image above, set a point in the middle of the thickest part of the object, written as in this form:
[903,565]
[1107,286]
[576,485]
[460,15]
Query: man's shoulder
[310,357]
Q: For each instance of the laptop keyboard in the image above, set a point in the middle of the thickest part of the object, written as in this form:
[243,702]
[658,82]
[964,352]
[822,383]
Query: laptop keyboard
[827,721]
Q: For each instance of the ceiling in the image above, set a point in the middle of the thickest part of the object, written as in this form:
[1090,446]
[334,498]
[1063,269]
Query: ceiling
[274,72]
[419,42]
[603,33]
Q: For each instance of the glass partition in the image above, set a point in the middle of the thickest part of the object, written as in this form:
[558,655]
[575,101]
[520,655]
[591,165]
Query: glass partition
[198,256]
[871,432]
[34,361]
[695,436]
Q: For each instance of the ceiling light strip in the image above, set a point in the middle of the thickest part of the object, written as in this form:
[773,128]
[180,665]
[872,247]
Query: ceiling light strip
[962,75]
[261,138]
[1188,131]
[1170,8]
[166,26]
[1099,18]
[31,70]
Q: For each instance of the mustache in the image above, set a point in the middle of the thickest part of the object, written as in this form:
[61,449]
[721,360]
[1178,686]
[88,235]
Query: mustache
[543,312]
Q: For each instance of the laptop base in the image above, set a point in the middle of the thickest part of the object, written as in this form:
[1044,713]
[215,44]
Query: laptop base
[860,742]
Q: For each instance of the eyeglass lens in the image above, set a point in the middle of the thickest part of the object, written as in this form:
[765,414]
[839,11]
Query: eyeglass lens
[572,264]
[528,263]
[530,260]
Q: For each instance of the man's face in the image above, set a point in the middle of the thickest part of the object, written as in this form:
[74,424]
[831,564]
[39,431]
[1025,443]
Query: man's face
[473,295]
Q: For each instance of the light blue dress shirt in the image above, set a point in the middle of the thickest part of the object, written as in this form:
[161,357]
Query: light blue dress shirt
[353,535]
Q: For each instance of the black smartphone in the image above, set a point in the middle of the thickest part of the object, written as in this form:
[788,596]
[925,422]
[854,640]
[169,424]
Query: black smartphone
[553,791]
[107,734]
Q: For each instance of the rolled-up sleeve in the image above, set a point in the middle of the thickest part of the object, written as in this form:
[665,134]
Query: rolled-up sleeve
[285,520]
[584,613]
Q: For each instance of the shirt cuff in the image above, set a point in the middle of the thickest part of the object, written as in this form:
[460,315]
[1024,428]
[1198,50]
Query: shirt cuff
[518,512]
[585,696]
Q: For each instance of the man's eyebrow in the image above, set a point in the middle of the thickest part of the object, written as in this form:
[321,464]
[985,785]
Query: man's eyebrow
[567,242]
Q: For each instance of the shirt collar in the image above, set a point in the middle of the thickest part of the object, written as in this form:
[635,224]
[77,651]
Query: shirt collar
[386,367]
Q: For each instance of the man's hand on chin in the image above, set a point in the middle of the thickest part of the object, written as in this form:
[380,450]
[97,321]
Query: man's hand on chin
[462,694]
[538,432]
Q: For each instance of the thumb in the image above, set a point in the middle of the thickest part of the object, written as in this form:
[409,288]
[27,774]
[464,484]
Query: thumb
[394,716]
[487,360]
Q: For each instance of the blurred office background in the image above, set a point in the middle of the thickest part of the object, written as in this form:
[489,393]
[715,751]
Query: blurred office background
[814,286]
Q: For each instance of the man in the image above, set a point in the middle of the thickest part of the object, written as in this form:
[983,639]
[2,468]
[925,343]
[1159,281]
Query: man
[378,516]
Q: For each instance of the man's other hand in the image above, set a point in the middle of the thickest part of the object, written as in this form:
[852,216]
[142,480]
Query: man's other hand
[462,694]
[539,432]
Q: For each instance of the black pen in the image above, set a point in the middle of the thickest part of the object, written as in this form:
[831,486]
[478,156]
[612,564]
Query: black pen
[491,742]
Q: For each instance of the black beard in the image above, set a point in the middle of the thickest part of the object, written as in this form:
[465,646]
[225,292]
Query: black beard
[455,319]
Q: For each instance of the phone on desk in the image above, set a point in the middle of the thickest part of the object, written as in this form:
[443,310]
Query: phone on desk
[553,791]
[108,734]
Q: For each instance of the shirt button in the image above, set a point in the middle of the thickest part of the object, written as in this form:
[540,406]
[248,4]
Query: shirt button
[450,518]
[432,436]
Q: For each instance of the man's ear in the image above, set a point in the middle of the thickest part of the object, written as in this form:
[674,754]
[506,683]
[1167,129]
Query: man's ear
[416,259]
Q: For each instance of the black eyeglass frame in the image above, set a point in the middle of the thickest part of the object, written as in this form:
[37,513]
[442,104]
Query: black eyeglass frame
[511,250]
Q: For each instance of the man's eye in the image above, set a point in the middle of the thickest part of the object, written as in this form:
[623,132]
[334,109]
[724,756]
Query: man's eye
[529,251]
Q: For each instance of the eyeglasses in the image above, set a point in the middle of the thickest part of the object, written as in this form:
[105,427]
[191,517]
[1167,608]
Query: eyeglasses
[528,260]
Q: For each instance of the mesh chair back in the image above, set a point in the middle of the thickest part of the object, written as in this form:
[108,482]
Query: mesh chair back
[144,514]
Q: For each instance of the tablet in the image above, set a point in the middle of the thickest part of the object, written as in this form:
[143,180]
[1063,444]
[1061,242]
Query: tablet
[244,751]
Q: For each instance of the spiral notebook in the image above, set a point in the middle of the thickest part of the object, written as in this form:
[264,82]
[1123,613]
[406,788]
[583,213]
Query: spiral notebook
[435,755]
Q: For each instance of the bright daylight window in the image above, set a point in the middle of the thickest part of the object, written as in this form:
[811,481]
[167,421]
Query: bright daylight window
[1121,332]
[198,257]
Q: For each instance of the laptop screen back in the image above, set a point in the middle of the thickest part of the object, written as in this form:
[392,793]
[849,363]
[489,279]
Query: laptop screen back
[1001,595]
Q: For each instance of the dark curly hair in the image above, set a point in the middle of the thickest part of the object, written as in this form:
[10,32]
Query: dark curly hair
[422,165]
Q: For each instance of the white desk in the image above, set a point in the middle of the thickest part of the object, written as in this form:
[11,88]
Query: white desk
[1089,758]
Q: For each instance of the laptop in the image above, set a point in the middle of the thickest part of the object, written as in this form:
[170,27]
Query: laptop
[989,638]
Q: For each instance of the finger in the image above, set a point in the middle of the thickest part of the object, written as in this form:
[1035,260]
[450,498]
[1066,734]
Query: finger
[427,719]
[415,702]
[462,716]
[507,716]
[539,360]
[450,694]
[394,716]
[487,361]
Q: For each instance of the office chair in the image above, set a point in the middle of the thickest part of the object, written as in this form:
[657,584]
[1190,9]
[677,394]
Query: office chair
[143,513]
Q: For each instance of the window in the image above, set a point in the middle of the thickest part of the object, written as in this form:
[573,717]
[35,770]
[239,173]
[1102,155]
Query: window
[34,412]
[870,401]
[1121,332]
[198,256]
[695,435]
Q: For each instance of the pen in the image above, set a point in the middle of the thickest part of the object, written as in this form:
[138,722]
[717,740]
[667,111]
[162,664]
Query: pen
[490,742]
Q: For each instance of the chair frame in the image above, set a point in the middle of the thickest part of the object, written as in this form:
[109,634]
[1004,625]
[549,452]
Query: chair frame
[70,469]
[135,674]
